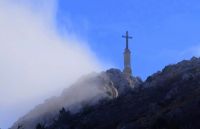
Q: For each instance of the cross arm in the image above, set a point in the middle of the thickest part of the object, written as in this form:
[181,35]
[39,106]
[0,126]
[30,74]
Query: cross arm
[129,37]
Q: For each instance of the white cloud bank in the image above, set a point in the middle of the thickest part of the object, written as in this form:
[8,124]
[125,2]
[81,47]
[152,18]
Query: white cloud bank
[35,62]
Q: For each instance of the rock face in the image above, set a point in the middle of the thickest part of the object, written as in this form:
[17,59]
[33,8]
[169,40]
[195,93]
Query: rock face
[169,99]
[121,82]
[85,92]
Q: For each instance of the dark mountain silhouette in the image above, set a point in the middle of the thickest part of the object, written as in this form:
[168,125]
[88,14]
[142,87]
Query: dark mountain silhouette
[169,99]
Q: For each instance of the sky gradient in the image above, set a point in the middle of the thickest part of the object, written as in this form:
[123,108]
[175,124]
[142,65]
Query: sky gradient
[164,32]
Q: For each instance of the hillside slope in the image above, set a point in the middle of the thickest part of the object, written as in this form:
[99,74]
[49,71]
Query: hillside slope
[169,99]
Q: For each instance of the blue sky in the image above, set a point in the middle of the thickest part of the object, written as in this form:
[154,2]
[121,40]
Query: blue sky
[164,32]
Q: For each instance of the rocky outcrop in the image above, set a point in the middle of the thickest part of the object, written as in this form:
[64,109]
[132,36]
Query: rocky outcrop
[121,82]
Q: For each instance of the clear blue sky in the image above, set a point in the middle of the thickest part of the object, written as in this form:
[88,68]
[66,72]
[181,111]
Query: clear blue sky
[164,31]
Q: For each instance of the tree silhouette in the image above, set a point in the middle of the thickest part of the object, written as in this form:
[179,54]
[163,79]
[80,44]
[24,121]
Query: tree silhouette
[20,127]
[39,126]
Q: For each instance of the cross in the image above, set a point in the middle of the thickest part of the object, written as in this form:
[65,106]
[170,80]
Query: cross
[127,37]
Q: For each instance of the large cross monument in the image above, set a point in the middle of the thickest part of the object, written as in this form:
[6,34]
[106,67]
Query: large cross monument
[127,57]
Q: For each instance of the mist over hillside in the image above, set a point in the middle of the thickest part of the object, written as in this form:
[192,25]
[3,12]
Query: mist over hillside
[87,91]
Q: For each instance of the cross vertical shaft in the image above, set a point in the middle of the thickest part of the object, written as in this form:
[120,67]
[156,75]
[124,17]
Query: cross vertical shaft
[127,38]
[127,57]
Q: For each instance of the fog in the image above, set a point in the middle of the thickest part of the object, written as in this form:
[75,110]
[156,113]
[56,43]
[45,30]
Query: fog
[36,62]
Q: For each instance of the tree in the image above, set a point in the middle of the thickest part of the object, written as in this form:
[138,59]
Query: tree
[20,127]
[40,126]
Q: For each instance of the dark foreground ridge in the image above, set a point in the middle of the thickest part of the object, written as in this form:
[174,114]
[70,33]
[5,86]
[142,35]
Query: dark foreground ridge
[169,99]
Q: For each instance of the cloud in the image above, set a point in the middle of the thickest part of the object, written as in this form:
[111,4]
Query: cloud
[35,61]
